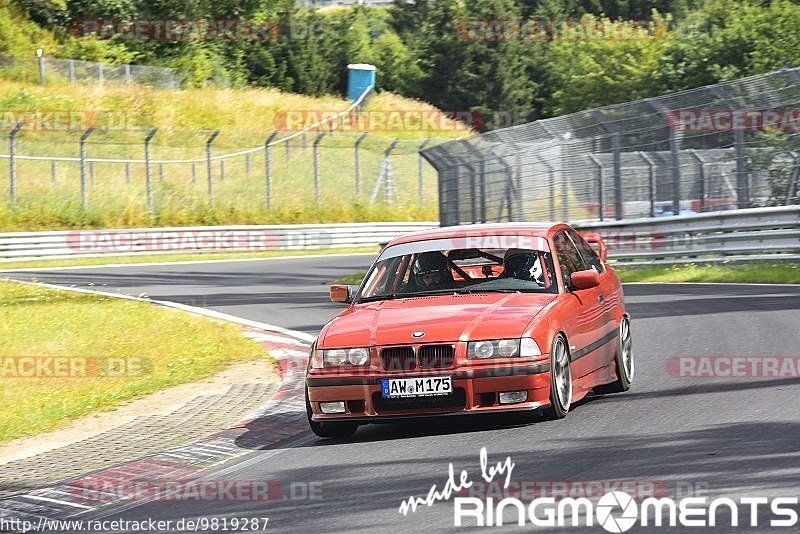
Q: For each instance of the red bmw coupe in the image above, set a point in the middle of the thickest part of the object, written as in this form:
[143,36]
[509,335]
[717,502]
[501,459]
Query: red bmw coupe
[468,320]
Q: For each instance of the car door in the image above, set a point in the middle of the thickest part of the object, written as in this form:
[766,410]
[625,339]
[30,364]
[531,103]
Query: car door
[609,292]
[586,311]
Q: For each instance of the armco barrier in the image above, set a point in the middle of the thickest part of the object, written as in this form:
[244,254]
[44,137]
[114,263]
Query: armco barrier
[87,243]
[736,235]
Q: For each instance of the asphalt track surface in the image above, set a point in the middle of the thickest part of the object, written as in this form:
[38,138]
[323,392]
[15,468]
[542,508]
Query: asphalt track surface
[732,437]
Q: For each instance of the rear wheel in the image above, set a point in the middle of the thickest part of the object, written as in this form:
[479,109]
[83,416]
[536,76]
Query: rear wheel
[329,429]
[623,360]
[560,380]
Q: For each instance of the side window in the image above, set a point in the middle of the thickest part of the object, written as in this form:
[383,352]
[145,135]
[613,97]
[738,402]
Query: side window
[589,255]
[569,258]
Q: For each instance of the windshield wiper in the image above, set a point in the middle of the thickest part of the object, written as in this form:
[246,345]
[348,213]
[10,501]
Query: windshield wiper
[394,296]
[470,291]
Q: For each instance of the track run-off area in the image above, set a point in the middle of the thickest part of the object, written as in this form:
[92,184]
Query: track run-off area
[723,436]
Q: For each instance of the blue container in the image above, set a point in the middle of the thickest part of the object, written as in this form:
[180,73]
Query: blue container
[361,78]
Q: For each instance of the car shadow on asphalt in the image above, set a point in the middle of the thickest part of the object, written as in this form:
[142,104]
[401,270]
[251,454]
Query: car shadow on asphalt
[260,434]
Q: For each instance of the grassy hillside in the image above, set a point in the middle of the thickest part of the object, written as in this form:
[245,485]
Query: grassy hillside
[49,197]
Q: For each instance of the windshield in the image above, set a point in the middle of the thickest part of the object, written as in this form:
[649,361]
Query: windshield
[486,264]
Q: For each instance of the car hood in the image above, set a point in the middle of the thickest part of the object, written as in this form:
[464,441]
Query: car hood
[443,318]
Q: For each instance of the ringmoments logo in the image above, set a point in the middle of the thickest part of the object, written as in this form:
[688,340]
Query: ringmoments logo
[615,511]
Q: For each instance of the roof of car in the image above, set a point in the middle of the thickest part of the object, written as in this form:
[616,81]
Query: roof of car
[537,229]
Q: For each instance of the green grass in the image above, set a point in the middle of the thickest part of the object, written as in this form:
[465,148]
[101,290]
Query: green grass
[350,280]
[49,198]
[166,258]
[175,346]
[753,273]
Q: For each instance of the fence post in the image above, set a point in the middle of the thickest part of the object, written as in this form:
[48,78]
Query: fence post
[91,173]
[389,186]
[127,173]
[82,147]
[676,172]
[420,172]
[40,58]
[475,195]
[222,170]
[53,171]
[599,184]
[268,166]
[147,176]
[12,170]
[651,181]
[100,74]
[675,165]
[615,149]
[358,162]
[194,172]
[71,70]
[702,167]
[209,168]
[127,71]
[316,167]
[247,165]
[551,185]
[742,178]
[518,185]
[792,189]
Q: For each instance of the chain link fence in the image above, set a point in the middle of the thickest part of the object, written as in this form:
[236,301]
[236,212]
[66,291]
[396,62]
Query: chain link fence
[45,70]
[727,146]
[182,170]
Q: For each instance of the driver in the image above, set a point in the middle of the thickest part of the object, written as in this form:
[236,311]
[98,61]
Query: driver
[432,271]
[523,265]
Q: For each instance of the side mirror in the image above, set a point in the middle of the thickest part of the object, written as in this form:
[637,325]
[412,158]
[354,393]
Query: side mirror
[343,294]
[585,279]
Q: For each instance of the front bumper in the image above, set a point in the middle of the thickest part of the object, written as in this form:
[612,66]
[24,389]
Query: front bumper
[475,390]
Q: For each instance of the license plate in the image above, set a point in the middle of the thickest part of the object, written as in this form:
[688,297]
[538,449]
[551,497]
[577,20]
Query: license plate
[393,388]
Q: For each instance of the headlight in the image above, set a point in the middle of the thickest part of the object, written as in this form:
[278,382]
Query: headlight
[358,356]
[503,348]
[339,357]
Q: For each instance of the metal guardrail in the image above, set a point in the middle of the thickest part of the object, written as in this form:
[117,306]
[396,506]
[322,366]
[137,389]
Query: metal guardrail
[17,246]
[738,235]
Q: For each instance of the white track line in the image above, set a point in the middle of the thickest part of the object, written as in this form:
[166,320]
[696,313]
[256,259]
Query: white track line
[55,501]
[184,307]
[185,262]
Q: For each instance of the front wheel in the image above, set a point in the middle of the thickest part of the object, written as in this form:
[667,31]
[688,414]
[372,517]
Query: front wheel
[560,380]
[329,429]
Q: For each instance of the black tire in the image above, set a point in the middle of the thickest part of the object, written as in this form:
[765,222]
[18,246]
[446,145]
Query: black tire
[559,408]
[329,429]
[625,374]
